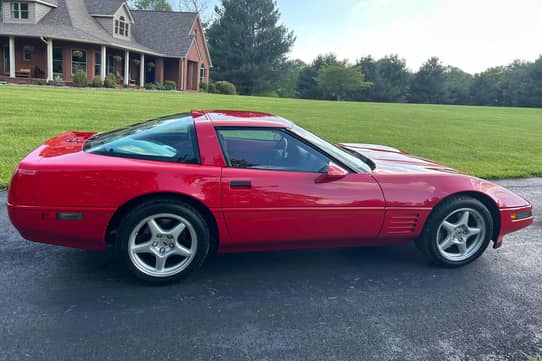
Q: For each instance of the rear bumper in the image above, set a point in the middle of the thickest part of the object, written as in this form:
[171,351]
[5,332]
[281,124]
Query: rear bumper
[514,219]
[42,224]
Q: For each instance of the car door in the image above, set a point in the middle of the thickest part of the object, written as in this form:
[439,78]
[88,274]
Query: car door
[272,192]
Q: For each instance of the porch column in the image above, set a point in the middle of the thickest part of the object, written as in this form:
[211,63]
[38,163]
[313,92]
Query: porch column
[142,71]
[181,71]
[12,57]
[103,68]
[126,68]
[49,60]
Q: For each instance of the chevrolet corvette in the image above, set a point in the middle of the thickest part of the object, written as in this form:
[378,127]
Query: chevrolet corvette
[168,192]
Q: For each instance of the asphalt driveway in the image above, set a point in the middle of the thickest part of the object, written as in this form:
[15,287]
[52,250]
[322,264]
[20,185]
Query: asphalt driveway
[349,304]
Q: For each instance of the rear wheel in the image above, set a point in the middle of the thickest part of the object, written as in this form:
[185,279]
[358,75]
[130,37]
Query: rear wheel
[457,232]
[162,241]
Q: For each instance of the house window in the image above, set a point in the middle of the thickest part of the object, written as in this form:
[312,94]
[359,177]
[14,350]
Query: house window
[121,26]
[27,53]
[202,74]
[79,60]
[58,61]
[98,68]
[19,10]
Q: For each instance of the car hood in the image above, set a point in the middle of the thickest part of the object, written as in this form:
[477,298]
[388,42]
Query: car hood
[390,160]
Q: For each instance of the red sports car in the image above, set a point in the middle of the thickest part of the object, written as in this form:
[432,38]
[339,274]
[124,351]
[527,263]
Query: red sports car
[169,191]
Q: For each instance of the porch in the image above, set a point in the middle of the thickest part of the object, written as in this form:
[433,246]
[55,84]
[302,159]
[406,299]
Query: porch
[26,60]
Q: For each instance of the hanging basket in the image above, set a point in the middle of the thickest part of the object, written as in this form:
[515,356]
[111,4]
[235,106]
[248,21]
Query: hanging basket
[150,65]
[77,53]
[136,61]
[117,58]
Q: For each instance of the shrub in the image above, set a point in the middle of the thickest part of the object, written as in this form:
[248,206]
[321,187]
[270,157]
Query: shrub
[159,86]
[170,85]
[80,78]
[211,88]
[110,81]
[150,86]
[225,87]
[97,82]
[41,82]
[203,86]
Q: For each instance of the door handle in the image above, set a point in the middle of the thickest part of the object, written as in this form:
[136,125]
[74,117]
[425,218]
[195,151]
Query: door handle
[240,184]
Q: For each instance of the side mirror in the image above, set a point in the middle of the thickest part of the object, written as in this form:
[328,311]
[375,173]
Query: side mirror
[334,172]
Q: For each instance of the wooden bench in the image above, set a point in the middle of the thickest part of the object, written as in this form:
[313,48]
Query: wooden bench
[23,73]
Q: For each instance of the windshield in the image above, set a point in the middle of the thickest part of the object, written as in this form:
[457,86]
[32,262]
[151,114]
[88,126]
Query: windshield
[346,158]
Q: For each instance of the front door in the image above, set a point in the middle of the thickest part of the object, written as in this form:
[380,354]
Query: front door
[271,193]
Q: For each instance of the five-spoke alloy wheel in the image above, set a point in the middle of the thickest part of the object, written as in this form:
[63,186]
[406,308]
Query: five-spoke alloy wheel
[162,241]
[457,232]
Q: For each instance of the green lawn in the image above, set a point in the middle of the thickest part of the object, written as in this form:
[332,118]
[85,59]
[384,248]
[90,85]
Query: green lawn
[487,142]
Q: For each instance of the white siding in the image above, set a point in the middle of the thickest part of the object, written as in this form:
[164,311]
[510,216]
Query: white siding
[41,11]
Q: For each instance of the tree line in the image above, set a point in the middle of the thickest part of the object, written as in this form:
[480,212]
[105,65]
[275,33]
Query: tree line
[249,48]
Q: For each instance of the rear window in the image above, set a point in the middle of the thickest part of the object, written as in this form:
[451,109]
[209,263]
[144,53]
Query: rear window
[171,139]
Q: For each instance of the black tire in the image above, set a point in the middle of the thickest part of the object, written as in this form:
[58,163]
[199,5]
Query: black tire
[195,227]
[428,243]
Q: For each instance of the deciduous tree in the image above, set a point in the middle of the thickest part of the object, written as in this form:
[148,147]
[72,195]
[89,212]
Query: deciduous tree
[340,80]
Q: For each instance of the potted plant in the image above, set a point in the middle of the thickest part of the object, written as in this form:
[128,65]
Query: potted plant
[136,61]
[150,65]
[117,58]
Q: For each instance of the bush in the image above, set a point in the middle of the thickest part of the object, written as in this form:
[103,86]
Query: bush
[150,86]
[159,86]
[97,82]
[170,85]
[225,87]
[211,88]
[41,82]
[203,86]
[110,81]
[80,78]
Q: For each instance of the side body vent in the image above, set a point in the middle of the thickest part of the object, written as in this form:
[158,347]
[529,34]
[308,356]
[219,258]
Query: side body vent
[403,224]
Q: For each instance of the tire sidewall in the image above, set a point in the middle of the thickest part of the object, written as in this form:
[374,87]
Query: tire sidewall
[145,210]
[437,217]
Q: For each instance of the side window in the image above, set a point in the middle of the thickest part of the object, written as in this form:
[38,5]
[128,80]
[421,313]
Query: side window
[269,149]
[168,139]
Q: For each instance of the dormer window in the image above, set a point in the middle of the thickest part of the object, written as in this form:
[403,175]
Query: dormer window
[122,26]
[19,11]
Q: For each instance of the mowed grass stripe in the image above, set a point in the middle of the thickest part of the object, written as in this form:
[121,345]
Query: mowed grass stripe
[487,142]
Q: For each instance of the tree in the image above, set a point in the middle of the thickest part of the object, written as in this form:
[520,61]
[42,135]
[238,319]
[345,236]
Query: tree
[340,80]
[197,6]
[390,78]
[427,85]
[307,87]
[287,87]
[457,85]
[157,5]
[248,45]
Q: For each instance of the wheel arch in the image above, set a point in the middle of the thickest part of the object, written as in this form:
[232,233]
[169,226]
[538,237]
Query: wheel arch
[169,196]
[486,201]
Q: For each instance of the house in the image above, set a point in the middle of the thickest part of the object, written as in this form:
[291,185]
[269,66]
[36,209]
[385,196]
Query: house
[41,40]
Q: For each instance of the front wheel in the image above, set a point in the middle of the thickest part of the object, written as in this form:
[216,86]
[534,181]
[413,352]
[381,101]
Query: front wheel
[163,241]
[457,232]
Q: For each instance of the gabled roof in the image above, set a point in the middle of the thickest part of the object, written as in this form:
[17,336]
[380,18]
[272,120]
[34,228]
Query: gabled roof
[167,34]
[103,7]
[166,31]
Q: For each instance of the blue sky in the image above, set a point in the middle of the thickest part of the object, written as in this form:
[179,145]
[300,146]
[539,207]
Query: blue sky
[470,34]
